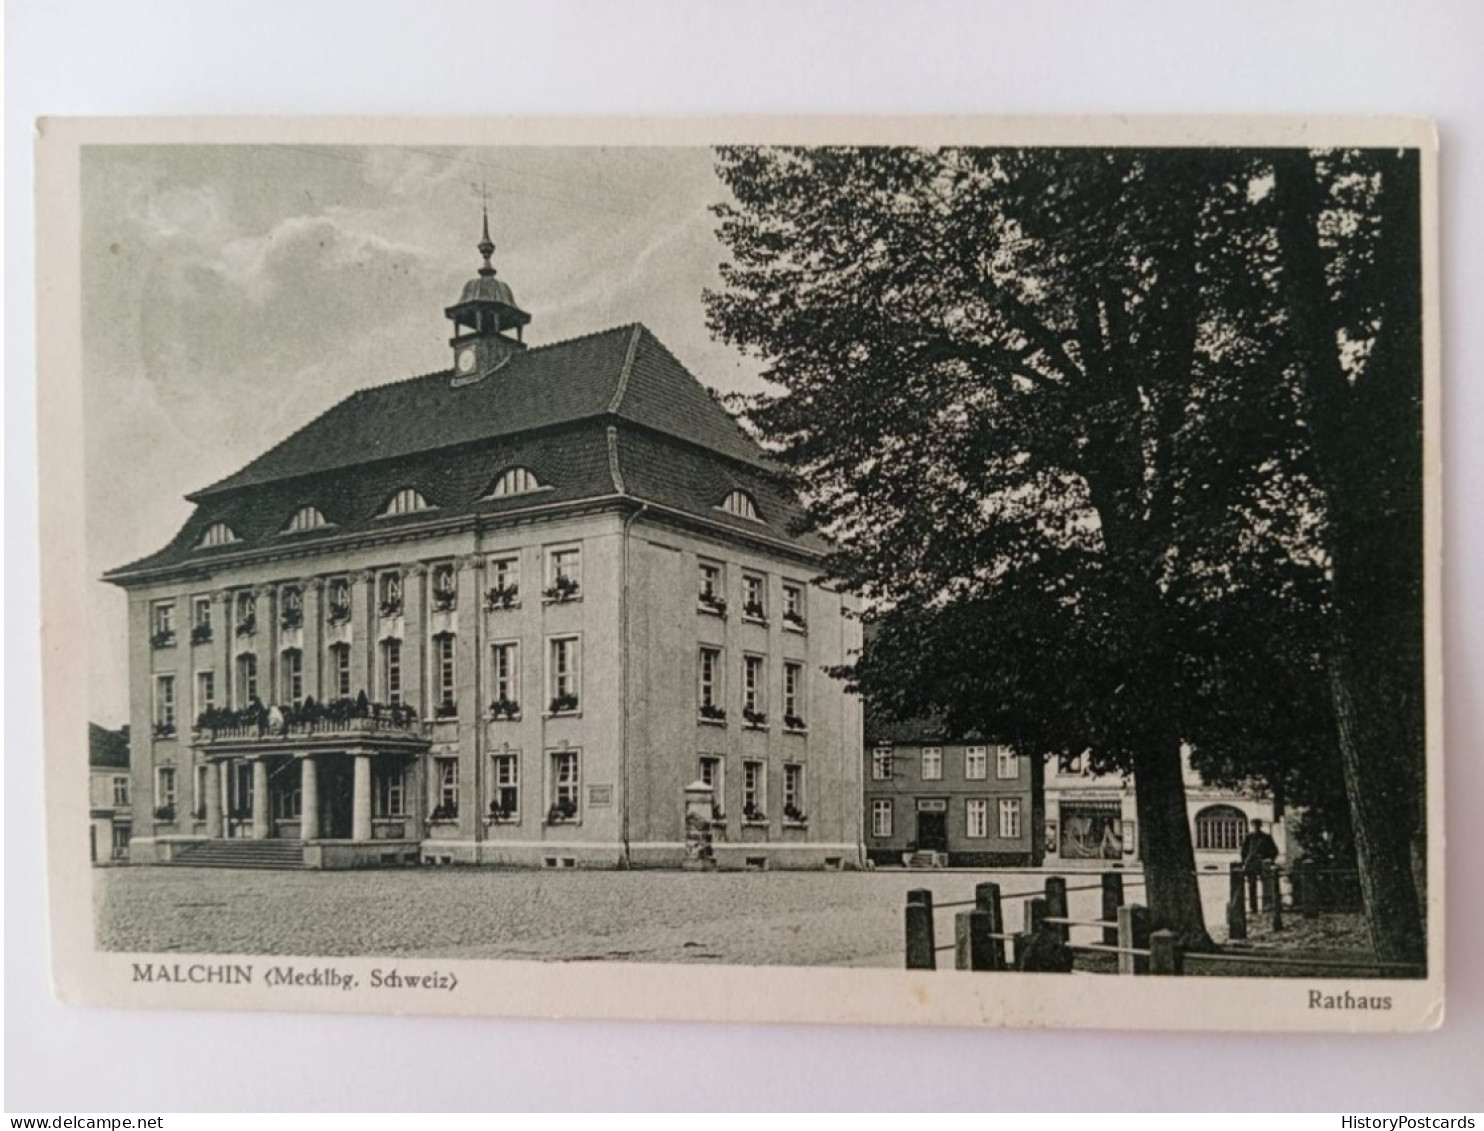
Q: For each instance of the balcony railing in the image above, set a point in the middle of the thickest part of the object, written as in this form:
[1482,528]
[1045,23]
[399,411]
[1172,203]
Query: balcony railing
[345,719]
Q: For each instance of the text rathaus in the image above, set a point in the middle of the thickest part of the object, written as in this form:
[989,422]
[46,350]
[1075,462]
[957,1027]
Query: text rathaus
[548,607]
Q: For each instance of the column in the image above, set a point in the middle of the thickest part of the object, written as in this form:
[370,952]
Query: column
[416,692]
[470,691]
[312,589]
[259,799]
[222,633]
[360,821]
[214,800]
[363,634]
[266,644]
[309,793]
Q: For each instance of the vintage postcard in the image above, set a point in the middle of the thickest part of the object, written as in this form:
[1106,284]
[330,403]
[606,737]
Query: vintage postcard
[956,571]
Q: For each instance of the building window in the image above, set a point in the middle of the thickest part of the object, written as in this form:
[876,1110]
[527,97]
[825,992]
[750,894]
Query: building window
[504,584]
[205,692]
[247,679]
[391,671]
[754,597]
[516,481]
[754,791]
[406,501]
[445,673]
[288,803]
[564,574]
[162,624]
[200,620]
[710,694]
[713,772]
[740,503]
[293,676]
[389,594]
[793,607]
[165,792]
[391,788]
[976,763]
[881,817]
[217,534]
[241,788]
[445,588]
[712,595]
[1220,828]
[202,788]
[1006,764]
[340,670]
[976,812]
[120,791]
[446,775]
[564,781]
[793,793]
[505,674]
[881,764]
[793,695]
[505,805]
[305,518]
[565,673]
[247,614]
[932,763]
[164,706]
[754,688]
[339,603]
[1009,818]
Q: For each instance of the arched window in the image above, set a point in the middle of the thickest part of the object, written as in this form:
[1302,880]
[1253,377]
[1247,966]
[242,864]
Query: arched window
[515,481]
[218,534]
[305,518]
[740,504]
[1220,828]
[405,501]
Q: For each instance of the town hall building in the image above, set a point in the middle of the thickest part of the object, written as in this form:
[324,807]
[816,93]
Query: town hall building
[548,607]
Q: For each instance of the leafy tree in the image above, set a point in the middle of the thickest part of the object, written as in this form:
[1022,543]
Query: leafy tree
[1038,401]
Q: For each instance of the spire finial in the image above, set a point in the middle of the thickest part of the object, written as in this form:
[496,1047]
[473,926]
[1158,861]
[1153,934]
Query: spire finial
[486,245]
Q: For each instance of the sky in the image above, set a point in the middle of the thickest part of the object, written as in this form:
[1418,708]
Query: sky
[232,293]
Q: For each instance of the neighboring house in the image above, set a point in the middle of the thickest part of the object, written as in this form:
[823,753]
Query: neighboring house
[502,613]
[110,816]
[968,801]
[1092,819]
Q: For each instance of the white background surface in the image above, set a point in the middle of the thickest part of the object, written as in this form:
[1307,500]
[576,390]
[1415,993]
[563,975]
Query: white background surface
[460,57]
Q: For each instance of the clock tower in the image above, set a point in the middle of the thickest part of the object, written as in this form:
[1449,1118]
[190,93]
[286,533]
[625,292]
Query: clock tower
[488,327]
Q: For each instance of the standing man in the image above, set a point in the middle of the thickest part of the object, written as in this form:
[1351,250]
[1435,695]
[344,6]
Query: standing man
[1259,850]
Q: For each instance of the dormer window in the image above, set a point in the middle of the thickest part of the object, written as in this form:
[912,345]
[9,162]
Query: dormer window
[516,481]
[406,501]
[217,534]
[740,503]
[305,518]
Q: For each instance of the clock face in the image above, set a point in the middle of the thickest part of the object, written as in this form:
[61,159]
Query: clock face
[466,361]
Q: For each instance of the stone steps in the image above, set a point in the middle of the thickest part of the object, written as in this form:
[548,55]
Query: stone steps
[234,853]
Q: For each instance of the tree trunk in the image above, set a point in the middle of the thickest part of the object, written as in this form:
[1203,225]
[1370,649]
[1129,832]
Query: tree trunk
[1170,884]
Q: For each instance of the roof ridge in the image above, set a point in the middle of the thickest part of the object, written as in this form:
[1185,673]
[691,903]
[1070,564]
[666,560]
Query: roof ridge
[626,368]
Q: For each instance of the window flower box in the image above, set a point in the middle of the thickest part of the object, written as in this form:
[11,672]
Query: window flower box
[754,718]
[753,814]
[391,607]
[795,620]
[445,601]
[247,625]
[754,611]
[561,813]
[562,589]
[794,723]
[445,811]
[505,709]
[501,816]
[165,814]
[339,612]
[501,597]
[164,730]
[165,638]
[446,711]
[794,815]
[291,617]
[563,704]
[712,713]
[201,634]
[712,603]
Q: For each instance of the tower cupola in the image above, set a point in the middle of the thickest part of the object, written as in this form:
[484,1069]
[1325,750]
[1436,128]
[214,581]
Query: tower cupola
[488,326]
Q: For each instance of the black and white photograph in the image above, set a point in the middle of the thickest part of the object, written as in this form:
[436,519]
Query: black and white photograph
[922,572]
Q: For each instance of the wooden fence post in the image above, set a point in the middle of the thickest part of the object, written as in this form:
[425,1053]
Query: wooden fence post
[1165,955]
[987,899]
[1272,891]
[1057,907]
[921,946]
[1308,889]
[1112,901]
[1133,933]
[972,942]
[1236,905]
